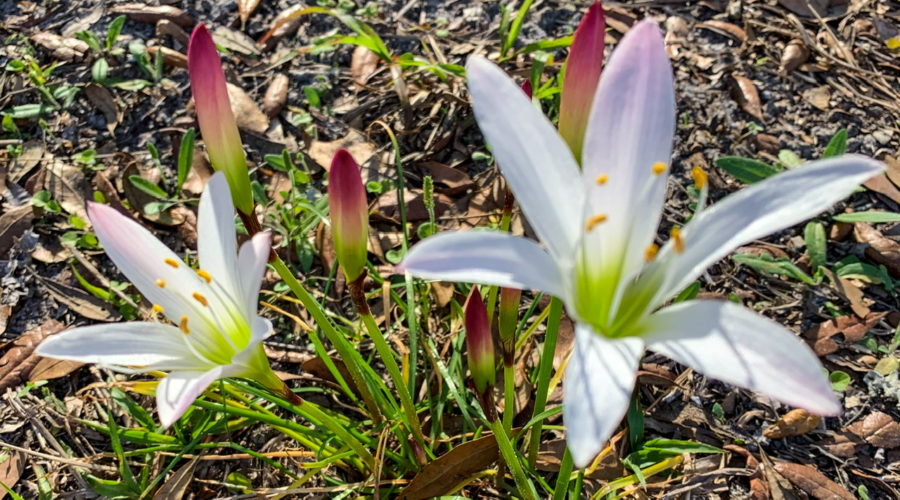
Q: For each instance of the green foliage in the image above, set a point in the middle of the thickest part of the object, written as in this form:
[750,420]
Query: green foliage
[746,170]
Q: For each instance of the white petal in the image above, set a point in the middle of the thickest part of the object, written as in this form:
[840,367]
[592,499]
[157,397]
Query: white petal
[150,346]
[630,129]
[179,389]
[596,390]
[154,269]
[532,156]
[216,237]
[485,257]
[733,344]
[252,262]
[761,209]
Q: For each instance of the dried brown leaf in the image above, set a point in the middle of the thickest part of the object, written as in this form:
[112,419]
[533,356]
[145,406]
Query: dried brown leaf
[165,27]
[793,423]
[354,142]
[276,95]
[442,475]
[362,64]
[245,8]
[13,223]
[802,7]
[447,179]
[17,361]
[104,101]
[63,48]
[246,112]
[881,249]
[880,184]
[725,28]
[852,328]
[152,14]
[170,57]
[878,429]
[176,486]
[49,369]
[67,186]
[813,482]
[744,92]
[12,463]
[285,23]
[818,97]
[795,53]
[79,301]
[849,291]
[5,313]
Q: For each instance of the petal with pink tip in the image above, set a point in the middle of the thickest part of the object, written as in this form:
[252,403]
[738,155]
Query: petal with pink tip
[349,214]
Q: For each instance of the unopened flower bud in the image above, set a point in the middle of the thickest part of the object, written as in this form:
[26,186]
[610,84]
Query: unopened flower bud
[349,214]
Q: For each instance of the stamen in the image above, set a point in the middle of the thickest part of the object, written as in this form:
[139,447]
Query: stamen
[650,252]
[205,275]
[201,299]
[161,283]
[172,262]
[601,179]
[183,326]
[157,309]
[659,167]
[675,234]
[594,220]
[700,177]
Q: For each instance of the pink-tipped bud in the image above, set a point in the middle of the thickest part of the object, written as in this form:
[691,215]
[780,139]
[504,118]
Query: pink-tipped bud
[217,124]
[526,88]
[508,321]
[349,214]
[479,343]
[582,75]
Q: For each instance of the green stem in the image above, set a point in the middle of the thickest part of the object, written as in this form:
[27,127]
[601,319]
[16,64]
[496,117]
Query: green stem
[525,487]
[344,349]
[387,356]
[509,396]
[544,374]
[565,475]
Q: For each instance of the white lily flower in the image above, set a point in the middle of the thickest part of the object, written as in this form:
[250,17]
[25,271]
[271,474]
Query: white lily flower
[598,225]
[218,332]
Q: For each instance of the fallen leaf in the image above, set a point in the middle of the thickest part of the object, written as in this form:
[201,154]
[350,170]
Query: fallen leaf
[819,97]
[12,463]
[564,342]
[176,486]
[32,153]
[276,95]
[246,112]
[802,7]
[813,482]
[881,185]
[104,101]
[170,57]
[49,369]
[725,28]
[363,63]
[442,292]
[285,23]
[795,53]
[13,223]
[878,429]
[61,47]
[442,475]
[386,206]
[852,328]
[841,444]
[67,185]
[793,423]
[152,14]
[744,92]
[849,291]
[5,313]
[285,356]
[881,249]
[79,301]
[317,367]
[165,27]
[235,41]
[245,8]
[354,142]
[893,169]
[449,180]
[198,175]
[18,360]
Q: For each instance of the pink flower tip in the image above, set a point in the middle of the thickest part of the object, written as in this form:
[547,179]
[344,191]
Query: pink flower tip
[349,214]
[479,342]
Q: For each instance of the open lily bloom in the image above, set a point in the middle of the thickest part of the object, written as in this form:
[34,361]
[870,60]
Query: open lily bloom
[216,331]
[598,226]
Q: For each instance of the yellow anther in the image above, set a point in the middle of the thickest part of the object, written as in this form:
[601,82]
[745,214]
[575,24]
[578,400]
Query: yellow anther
[172,262]
[161,283]
[182,325]
[700,177]
[157,309]
[201,299]
[675,234]
[650,252]
[594,220]
[659,167]
[205,275]
[601,179]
